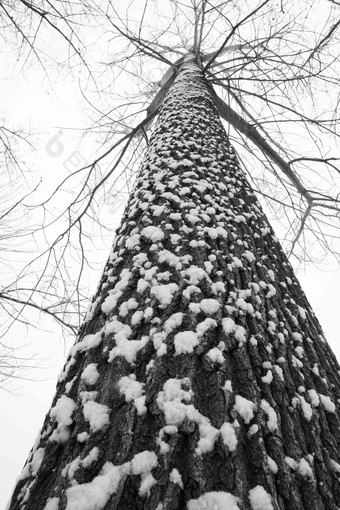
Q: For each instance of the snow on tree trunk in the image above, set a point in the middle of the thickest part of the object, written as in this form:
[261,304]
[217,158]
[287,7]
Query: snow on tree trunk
[201,378]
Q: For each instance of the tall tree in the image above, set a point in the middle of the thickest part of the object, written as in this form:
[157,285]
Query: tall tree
[201,378]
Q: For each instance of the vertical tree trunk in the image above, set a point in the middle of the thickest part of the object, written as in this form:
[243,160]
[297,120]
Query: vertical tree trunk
[201,376]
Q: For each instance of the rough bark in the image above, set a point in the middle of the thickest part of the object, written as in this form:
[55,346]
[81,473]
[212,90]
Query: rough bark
[201,367]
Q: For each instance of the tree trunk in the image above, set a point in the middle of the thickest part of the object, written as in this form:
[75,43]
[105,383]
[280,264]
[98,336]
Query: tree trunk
[201,378]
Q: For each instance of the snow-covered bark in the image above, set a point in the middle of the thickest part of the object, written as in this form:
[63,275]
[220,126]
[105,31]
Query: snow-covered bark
[201,378]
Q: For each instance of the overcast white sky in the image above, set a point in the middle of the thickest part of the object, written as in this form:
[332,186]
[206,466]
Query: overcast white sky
[23,408]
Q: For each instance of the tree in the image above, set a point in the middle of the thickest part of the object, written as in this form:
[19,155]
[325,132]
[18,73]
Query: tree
[274,66]
[201,377]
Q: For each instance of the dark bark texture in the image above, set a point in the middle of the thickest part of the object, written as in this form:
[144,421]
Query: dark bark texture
[201,378]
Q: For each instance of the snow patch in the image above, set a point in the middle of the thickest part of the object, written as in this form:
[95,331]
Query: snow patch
[128,349]
[90,374]
[214,501]
[209,306]
[327,403]
[175,477]
[82,437]
[164,293]
[170,400]
[95,494]
[195,274]
[291,463]
[147,483]
[143,462]
[125,307]
[249,256]
[32,466]
[253,430]
[228,436]
[268,377]
[110,302]
[215,355]
[62,413]
[228,386]
[153,233]
[204,326]
[301,466]
[279,371]
[96,414]
[271,275]
[52,504]
[260,499]
[185,342]
[229,327]
[314,397]
[132,242]
[272,291]
[335,466]
[133,390]
[208,436]
[142,285]
[217,287]
[272,465]
[245,408]
[158,343]
[137,317]
[114,294]
[88,342]
[297,336]
[304,469]
[271,415]
[306,408]
[302,313]
[190,289]
[173,322]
